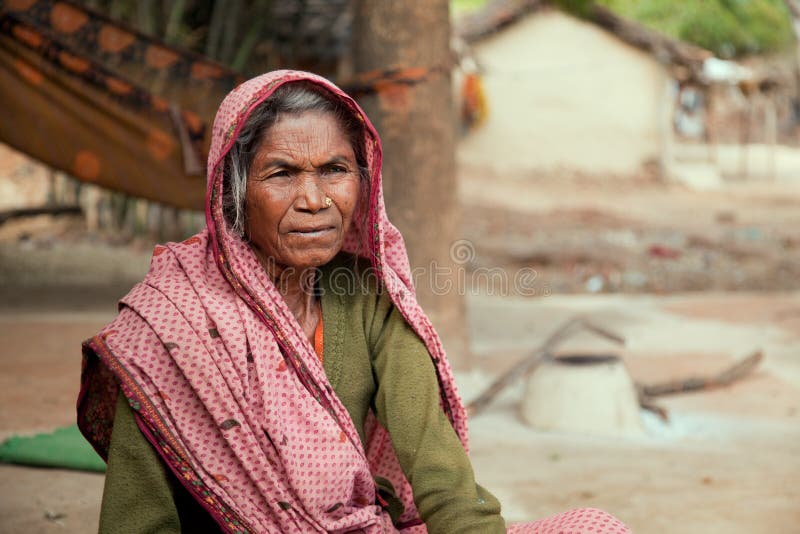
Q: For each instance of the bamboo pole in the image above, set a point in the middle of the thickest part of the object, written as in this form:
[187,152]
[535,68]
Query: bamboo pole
[252,36]
[172,30]
[215,29]
[232,24]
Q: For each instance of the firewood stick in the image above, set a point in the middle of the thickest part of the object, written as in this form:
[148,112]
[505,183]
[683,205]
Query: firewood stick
[602,332]
[735,372]
[646,403]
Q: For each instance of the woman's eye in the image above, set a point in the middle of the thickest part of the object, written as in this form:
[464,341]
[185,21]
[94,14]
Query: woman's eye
[335,169]
[278,174]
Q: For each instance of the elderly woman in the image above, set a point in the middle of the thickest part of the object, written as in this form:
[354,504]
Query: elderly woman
[274,373]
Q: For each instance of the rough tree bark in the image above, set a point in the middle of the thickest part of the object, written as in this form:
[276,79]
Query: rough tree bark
[417,128]
[794,11]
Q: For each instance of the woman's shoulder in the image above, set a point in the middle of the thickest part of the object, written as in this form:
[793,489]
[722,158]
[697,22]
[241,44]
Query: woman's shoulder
[188,255]
[182,278]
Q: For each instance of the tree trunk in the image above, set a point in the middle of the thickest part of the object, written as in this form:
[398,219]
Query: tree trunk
[417,128]
[794,11]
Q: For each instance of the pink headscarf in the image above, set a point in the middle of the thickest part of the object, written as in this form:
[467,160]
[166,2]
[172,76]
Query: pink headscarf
[226,386]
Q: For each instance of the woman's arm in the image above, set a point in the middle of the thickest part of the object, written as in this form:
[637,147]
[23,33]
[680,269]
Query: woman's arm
[140,494]
[429,451]
[137,496]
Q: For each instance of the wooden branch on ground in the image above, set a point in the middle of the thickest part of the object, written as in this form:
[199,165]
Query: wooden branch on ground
[529,363]
[7,215]
[646,403]
[602,332]
[736,372]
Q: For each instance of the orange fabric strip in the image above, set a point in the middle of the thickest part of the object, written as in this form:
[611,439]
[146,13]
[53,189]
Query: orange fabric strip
[318,336]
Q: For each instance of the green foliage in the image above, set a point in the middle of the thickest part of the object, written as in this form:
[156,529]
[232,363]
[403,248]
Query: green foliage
[729,28]
[462,6]
[580,8]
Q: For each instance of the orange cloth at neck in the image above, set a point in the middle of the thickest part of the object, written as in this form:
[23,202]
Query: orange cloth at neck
[318,339]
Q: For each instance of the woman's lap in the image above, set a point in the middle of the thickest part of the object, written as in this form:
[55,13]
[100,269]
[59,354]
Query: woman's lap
[578,521]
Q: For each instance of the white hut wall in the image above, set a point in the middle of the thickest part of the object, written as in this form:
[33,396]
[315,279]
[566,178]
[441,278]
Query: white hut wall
[564,95]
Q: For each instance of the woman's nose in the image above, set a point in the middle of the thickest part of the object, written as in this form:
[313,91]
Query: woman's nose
[310,196]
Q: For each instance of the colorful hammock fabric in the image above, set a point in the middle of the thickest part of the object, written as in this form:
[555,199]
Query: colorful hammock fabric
[105,103]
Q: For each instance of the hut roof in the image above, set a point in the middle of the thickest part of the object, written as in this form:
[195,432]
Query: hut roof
[684,60]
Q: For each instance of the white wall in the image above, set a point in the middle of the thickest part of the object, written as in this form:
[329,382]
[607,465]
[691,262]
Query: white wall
[566,95]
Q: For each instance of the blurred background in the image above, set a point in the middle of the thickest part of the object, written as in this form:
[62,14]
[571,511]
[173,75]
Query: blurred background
[632,163]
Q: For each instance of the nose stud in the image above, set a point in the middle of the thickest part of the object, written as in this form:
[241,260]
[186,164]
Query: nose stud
[328,202]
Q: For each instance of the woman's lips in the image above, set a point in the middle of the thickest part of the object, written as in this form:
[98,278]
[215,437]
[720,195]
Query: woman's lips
[312,232]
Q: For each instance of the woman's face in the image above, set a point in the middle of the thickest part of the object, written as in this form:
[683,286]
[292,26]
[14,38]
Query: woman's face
[302,160]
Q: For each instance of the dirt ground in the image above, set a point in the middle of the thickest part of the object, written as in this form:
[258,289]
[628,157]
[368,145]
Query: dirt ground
[693,280]
[727,461]
[636,236]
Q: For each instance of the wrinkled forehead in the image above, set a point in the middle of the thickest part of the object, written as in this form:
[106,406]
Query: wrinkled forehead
[240,103]
[311,135]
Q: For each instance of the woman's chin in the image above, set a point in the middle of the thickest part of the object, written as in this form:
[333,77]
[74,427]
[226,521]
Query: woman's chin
[312,257]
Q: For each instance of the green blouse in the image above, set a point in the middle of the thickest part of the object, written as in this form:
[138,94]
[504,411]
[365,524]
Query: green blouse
[373,360]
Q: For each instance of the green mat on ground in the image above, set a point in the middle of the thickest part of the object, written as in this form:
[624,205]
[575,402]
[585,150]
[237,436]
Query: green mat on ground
[65,448]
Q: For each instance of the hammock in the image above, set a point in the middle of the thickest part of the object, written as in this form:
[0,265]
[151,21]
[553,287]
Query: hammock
[109,105]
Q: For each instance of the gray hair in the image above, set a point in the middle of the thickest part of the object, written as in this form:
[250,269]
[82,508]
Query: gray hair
[290,98]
